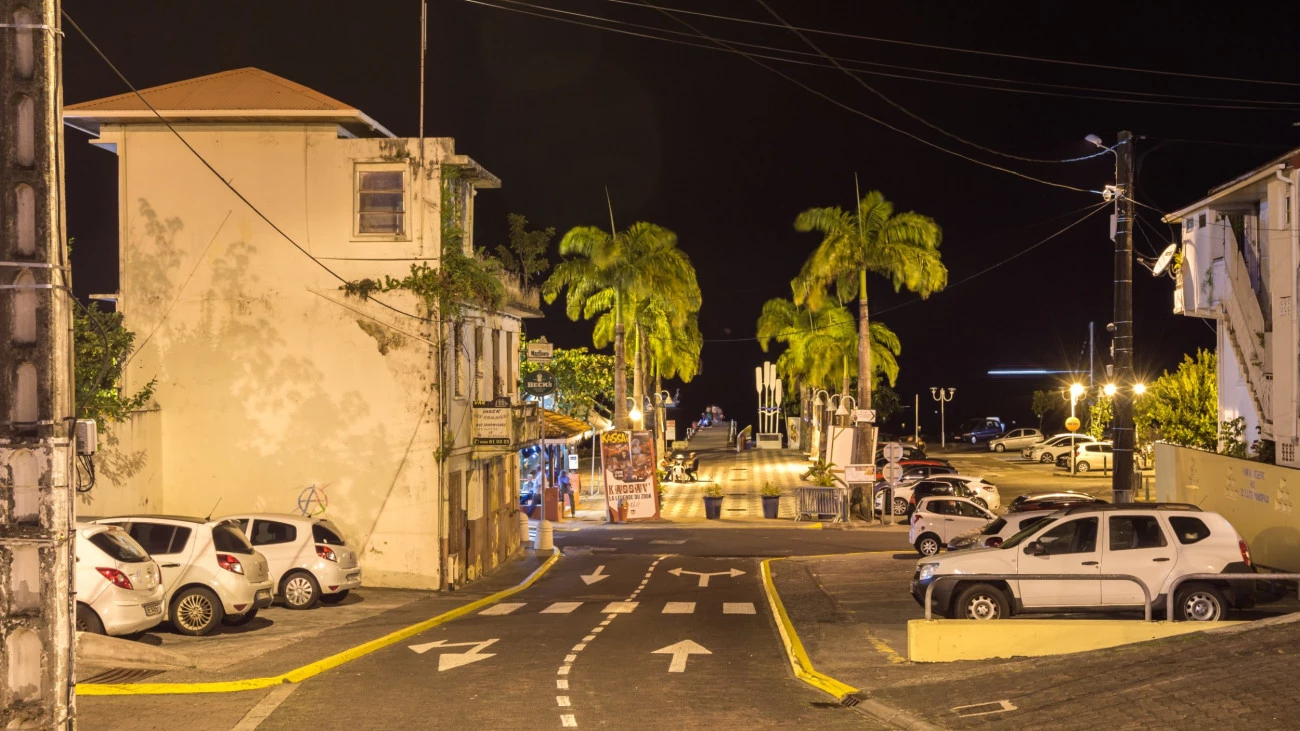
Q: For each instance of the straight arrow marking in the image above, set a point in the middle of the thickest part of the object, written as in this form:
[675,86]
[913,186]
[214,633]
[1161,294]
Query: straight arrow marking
[680,651]
[595,576]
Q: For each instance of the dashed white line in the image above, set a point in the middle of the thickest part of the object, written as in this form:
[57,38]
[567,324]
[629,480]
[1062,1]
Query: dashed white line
[579,647]
[504,608]
[570,658]
[589,638]
[679,608]
[568,721]
[623,607]
[738,608]
[561,683]
[564,670]
[561,608]
[562,701]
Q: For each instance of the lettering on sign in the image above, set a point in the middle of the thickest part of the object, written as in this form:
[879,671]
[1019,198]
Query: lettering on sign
[540,352]
[492,423]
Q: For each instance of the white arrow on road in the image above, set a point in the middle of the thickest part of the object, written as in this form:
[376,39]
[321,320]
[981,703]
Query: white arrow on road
[450,660]
[704,577]
[595,576]
[680,651]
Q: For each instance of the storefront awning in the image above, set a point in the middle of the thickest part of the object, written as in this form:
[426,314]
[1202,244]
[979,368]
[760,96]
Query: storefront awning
[562,429]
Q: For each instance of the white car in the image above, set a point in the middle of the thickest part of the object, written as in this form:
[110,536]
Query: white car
[983,493]
[1015,439]
[993,534]
[938,519]
[309,560]
[1155,542]
[210,572]
[1047,451]
[118,586]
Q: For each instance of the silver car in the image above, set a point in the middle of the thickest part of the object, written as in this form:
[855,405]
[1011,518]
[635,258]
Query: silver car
[1015,439]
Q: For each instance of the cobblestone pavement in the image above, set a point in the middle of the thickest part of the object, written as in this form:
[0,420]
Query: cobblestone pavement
[741,476]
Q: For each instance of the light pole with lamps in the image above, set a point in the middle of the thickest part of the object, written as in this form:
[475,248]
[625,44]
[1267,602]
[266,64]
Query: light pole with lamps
[663,402]
[1076,390]
[938,395]
[820,396]
[837,401]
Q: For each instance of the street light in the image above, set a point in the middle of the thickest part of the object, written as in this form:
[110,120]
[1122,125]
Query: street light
[1109,389]
[663,402]
[938,395]
[1076,390]
[817,402]
[1139,389]
[635,414]
[837,402]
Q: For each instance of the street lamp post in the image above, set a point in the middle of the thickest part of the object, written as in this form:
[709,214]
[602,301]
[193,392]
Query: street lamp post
[938,395]
[820,397]
[1076,390]
[663,402]
[837,401]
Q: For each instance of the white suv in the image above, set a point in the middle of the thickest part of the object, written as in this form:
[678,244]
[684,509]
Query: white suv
[210,572]
[119,588]
[1047,452]
[309,560]
[1155,542]
[937,519]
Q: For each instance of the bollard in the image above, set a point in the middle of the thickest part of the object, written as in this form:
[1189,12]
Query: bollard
[544,536]
[523,527]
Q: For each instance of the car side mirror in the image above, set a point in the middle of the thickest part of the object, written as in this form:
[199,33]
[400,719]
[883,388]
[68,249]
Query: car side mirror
[1036,548]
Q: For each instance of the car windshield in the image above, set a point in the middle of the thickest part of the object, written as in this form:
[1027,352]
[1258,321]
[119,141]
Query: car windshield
[994,527]
[119,546]
[1022,535]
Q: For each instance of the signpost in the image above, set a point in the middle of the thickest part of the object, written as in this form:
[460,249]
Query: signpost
[864,415]
[539,383]
[892,472]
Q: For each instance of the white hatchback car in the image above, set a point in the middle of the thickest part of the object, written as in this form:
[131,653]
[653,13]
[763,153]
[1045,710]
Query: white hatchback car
[938,519]
[119,587]
[1015,439]
[310,562]
[1154,542]
[1047,451]
[210,572]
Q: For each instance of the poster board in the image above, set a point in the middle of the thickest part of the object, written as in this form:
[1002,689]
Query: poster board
[628,461]
[492,425]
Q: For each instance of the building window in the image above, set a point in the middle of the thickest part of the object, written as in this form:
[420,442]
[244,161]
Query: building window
[381,200]
[459,357]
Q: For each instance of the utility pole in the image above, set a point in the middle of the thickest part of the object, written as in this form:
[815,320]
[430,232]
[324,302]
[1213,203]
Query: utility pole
[36,408]
[1122,427]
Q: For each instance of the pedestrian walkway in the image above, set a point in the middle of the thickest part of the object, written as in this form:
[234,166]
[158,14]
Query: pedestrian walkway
[740,475]
[627,607]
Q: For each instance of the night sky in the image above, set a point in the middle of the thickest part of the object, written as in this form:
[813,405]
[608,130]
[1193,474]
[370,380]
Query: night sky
[726,153]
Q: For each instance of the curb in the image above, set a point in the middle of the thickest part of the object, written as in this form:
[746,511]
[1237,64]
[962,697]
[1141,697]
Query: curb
[803,668]
[311,670]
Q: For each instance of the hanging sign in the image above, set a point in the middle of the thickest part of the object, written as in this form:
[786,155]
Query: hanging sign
[492,423]
[628,460]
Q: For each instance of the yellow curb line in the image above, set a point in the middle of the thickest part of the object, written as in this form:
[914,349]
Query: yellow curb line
[311,670]
[799,661]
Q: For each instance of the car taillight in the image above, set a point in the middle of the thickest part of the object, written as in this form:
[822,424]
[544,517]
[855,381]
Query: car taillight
[1245,551]
[229,563]
[120,579]
[326,553]
[993,542]
[916,517]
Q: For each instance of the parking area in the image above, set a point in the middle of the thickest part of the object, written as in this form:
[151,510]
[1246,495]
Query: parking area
[1015,475]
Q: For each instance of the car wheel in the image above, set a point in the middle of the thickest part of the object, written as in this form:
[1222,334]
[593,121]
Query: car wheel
[927,545]
[1000,448]
[981,601]
[239,620]
[1199,603]
[1047,458]
[196,611]
[900,506]
[88,621]
[300,590]
[980,502]
[334,598]
[1082,467]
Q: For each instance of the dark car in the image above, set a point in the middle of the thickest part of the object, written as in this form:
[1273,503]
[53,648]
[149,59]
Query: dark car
[927,488]
[980,430]
[914,469]
[910,451]
[1050,501]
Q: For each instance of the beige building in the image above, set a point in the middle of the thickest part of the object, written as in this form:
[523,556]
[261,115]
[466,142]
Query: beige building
[274,390]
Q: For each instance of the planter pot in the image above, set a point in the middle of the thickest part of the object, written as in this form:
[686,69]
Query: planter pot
[713,508]
[771,505]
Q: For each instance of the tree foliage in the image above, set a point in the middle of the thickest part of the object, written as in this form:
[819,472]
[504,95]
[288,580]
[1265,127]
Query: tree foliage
[1100,415]
[822,345]
[1182,407]
[1044,403]
[525,252]
[101,346]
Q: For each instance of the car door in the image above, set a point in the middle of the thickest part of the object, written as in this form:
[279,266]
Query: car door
[1067,547]
[278,541]
[1138,545]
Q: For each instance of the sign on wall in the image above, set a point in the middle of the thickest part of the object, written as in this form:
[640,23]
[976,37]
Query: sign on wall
[539,352]
[539,383]
[628,460]
[492,423]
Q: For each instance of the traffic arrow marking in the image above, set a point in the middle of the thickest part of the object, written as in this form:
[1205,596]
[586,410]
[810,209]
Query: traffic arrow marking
[595,576]
[450,660]
[704,577]
[680,651]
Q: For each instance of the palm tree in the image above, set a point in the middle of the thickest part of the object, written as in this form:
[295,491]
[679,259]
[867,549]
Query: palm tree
[902,247]
[610,274]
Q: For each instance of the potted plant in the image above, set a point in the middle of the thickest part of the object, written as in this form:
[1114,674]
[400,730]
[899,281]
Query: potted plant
[713,502]
[771,495]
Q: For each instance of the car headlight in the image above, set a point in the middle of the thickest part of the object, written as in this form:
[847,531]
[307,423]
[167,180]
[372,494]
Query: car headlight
[927,571]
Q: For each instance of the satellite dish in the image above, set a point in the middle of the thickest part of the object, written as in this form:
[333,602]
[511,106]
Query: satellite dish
[1166,256]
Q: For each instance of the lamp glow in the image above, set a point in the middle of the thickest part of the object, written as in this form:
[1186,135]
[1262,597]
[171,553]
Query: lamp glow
[635,414]
[1109,389]
[1139,388]
[1076,390]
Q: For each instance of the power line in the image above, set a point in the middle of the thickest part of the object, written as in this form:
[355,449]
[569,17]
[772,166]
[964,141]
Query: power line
[955,49]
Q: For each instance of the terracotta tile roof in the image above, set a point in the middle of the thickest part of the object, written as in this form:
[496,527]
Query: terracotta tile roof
[240,89]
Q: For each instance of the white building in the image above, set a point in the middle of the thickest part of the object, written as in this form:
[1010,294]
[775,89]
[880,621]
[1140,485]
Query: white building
[275,391]
[1240,258]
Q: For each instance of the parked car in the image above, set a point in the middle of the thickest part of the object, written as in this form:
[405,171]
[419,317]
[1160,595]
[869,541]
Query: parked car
[938,519]
[907,494]
[1047,451]
[210,572]
[1155,542]
[993,534]
[915,469]
[980,430]
[1051,500]
[982,491]
[1096,456]
[118,586]
[1015,439]
[308,558]
[910,451]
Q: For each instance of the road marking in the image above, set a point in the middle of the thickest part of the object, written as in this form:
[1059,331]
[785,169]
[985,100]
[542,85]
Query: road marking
[561,608]
[738,608]
[265,707]
[579,647]
[985,709]
[704,576]
[568,721]
[499,609]
[595,576]
[625,607]
[680,651]
[602,624]
[561,683]
[450,660]
[564,670]
[562,701]
[666,543]
[570,658]
[597,630]
[679,608]
[622,538]
[589,638]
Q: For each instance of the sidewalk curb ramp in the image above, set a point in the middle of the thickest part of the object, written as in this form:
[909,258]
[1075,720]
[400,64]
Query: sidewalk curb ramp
[311,670]
[802,666]
[102,651]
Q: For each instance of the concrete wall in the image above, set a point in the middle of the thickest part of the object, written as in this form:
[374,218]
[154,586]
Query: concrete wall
[1258,499]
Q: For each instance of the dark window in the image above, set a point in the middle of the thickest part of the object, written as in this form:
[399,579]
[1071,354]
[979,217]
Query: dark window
[994,528]
[228,539]
[159,538]
[1030,522]
[1200,220]
[1135,531]
[941,507]
[1077,536]
[381,202]
[969,511]
[243,525]
[270,532]
[1189,530]
[119,546]
[325,533]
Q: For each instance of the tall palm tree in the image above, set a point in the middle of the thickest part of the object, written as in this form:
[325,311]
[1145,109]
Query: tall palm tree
[902,247]
[609,274]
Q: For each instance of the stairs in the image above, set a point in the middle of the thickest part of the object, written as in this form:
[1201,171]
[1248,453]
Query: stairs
[1241,314]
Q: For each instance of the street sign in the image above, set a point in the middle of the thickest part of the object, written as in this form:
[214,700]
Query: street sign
[540,382]
[867,415]
[492,423]
[892,472]
[1072,423]
[540,352]
[893,451]
[859,473]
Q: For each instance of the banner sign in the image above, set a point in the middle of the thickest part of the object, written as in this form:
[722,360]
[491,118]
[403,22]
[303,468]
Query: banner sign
[539,352]
[492,423]
[628,460]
